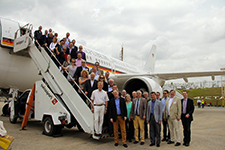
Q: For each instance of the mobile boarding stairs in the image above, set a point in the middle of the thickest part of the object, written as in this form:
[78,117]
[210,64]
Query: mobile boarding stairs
[52,100]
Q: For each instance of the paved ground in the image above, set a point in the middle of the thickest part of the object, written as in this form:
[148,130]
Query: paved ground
[208,133]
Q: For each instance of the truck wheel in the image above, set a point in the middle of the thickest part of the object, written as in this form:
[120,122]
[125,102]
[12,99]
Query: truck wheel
[69,126]
[49,127]
[13,121]
[5,110]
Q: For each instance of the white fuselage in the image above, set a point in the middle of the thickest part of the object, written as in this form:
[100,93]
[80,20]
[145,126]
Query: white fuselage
[17,72]
[20,72]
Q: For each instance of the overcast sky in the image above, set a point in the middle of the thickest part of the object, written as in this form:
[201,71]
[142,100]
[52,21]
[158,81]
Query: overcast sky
[189,34]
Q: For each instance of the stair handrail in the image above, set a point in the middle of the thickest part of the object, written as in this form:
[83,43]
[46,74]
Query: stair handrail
[39,47]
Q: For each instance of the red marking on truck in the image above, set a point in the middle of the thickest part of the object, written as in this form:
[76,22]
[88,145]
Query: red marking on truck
[54,101]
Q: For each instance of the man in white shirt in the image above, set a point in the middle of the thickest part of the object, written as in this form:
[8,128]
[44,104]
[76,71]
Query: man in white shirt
[110,85]
[99,99]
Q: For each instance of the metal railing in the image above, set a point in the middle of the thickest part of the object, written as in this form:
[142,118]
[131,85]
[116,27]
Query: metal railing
[74,83]
[28,28]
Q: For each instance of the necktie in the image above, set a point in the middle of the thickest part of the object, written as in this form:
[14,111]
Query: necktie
[184,106]
[137,107]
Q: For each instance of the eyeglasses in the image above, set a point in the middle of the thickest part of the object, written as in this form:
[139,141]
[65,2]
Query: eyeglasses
[101,78]
[164,93]
[82,62]
[73,62]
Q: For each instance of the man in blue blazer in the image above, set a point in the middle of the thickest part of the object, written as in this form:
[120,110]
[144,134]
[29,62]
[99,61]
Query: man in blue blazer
[186,117]
[118,116]
[154,117]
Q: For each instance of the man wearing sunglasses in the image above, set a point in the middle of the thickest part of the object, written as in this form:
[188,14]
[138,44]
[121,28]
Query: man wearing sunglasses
[98,71]
[165,123]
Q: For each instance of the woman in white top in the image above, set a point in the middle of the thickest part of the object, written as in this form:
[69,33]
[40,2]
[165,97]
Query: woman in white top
[52,46]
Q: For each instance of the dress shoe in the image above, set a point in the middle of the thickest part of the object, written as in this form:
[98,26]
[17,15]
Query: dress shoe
[158,145]
[135,142]
[177,144]
[186,144]
[142,143]
[170,142]
[125,145]
[130,140]
[163,139]
[152,144]
[116,144]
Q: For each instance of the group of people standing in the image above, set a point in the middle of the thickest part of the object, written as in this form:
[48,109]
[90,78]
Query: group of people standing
[120,110]
[133,115]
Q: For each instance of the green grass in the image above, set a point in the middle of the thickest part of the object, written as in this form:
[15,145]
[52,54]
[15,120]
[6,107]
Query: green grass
[205,92]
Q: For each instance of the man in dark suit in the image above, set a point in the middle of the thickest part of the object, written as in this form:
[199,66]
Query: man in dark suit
[186,117]
[90,85]
[72,51]
[118,116]
[111,96]
[74,46]
[79,69]
[138,115]
[38,36]
[49,39]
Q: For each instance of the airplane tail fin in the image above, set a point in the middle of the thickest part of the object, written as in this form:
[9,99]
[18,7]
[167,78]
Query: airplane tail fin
[150,63]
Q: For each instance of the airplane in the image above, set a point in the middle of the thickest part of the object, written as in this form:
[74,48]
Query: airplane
[18,70]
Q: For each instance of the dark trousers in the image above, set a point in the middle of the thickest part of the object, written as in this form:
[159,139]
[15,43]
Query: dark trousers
[165,127]
[146,130]
[110,126]
[186,128]
[130,129]
[199,105]
[155,129]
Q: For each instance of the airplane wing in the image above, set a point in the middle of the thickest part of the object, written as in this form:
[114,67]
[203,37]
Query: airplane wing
[185,75]
[171,76]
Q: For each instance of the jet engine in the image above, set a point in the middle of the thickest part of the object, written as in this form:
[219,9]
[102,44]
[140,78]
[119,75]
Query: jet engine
[145,84]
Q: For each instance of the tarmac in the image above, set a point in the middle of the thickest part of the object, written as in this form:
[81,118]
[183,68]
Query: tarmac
[208,133]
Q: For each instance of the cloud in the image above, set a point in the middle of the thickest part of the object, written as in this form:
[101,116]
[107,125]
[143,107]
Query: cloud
[189,34]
